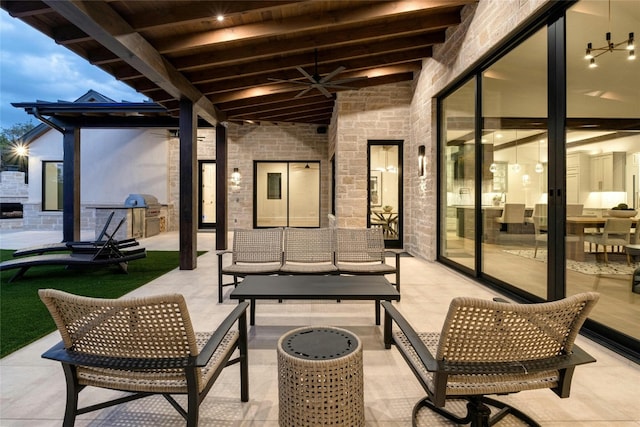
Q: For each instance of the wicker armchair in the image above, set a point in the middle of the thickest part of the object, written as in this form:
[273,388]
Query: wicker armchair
[144,346]
[489,347]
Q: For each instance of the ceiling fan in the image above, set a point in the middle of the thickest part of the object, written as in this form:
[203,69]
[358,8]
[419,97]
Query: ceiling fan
[316,81]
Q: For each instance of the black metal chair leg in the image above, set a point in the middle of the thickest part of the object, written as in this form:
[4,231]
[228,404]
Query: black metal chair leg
[73,389]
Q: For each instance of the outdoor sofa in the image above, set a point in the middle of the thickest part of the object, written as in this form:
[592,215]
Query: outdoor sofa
[310,251]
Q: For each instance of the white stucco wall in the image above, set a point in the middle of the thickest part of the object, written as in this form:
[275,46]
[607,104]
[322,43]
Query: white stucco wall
[113,164]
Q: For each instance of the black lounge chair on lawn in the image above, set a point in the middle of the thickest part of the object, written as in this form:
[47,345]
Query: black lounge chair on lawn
[79,246]
[105,255]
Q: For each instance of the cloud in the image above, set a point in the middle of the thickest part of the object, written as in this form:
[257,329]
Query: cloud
[33,67]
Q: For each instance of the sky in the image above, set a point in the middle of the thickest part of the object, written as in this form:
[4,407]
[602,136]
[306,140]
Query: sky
[33,67]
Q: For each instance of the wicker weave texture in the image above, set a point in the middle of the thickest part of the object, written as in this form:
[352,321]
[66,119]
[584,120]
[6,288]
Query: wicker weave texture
[308,245]
[150,327]
[358,245]
[320,392]
[488,331]
[482,331]
[469,385]
[160,381]
[257,246]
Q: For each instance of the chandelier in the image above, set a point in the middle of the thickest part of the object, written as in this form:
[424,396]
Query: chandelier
[593,52]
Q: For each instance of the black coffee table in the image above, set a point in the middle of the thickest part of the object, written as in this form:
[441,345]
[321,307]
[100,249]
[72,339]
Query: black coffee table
[375,288]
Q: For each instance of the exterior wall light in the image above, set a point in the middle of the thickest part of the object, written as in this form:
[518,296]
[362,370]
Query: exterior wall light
[236,178]
[422,161]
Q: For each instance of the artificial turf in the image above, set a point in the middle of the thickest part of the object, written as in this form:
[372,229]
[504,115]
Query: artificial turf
[24,318]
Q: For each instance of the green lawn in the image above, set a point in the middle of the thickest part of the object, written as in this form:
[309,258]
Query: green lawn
[24,318]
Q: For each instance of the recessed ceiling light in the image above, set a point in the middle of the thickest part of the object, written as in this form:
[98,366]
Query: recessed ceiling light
[220,18]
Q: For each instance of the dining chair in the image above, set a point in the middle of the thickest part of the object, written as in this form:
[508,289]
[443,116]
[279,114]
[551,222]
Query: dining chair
[539,227]
[512,213]
[616,232]
[633,249]
[574,209]
[539,210]
[540,232]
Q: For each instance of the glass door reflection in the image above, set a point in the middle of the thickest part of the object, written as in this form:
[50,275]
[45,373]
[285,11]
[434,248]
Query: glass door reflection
[385,193]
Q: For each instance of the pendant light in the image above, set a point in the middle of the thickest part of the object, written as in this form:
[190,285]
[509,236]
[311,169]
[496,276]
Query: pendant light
[516,166]
[627,45]
[539,168]
[493,168]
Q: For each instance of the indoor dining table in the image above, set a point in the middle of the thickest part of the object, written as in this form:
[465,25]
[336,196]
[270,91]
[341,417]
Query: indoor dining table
[388,220]
[576,226]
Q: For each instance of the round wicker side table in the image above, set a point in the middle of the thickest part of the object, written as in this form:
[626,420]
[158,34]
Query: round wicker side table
[320,378]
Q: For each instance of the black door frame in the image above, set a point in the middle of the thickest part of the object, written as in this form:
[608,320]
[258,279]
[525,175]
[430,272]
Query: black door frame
[389,243]
[201,224]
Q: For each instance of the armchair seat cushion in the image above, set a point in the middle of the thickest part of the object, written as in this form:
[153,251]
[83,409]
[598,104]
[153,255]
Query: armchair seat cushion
[170,381]
[470,385]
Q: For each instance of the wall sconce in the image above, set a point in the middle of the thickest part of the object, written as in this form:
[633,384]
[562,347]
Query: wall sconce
[422,161]
[236,177]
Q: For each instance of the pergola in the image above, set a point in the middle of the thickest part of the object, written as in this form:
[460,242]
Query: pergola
[69,118]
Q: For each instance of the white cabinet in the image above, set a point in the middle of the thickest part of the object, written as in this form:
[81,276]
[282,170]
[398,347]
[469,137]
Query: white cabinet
[608,172]
[577,177]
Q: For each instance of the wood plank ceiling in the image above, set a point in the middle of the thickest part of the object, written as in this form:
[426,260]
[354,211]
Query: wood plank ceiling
[232,69]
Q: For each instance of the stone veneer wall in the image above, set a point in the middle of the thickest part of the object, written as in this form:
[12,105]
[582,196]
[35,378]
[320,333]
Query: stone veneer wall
[374,113]
[483,26]
[36,219]
[248,143]
[13,189]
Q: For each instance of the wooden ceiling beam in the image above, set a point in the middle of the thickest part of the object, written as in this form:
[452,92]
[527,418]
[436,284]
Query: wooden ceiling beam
[290,104]
[303,23]
[259,96]
[196,11]
[323,41]
[296,113]
[103,24]
[23,9]
[215,90]
[275,69]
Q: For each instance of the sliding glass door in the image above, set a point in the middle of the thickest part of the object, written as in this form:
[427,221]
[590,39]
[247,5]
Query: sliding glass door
[527,195]
[603,160]
[514,179]
[286,194]
[207,194]
[458,178]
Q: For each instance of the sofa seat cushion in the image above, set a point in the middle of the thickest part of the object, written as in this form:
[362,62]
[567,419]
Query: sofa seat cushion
[308,268]
[252,268]
[365,268]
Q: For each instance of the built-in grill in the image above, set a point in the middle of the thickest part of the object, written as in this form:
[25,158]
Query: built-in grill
[149,220]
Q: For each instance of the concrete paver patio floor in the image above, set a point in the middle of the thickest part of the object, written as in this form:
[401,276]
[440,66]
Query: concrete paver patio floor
[604,393]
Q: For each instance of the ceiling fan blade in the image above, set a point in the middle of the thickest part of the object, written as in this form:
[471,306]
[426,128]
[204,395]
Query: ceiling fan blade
[332,74]
[348,80]
[332,86]
[307,75]
[289,81]
[324,91]
[303,92]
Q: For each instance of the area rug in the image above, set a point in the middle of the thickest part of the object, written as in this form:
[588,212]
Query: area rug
[580,266]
